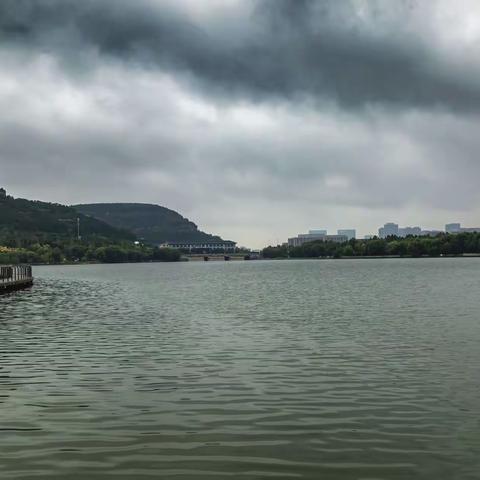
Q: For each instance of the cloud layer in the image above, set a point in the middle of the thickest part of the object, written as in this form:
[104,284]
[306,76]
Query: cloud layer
[257,119]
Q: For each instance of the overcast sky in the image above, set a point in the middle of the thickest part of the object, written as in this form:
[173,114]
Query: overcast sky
[257,120]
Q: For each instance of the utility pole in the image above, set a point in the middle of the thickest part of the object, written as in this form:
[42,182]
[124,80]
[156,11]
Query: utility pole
[78,229]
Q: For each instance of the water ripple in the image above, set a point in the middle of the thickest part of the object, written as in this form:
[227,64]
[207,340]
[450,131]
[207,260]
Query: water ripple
[332,370]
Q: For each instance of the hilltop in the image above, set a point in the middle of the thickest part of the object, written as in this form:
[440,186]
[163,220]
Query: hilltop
[151,223]
[25,222]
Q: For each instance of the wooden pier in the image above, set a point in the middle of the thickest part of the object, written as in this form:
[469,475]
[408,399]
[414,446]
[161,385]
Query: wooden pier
[15,277]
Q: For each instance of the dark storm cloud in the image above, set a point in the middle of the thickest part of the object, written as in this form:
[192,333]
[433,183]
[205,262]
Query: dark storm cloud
[253,118]
[347,51]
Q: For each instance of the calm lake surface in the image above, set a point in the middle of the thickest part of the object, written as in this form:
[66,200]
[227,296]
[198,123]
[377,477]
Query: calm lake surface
[347,369]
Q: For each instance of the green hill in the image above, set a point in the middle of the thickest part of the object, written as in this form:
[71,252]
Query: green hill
[151,223]
[25,222]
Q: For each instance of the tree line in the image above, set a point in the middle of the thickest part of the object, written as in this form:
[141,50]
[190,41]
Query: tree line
[91,250]
[411,246]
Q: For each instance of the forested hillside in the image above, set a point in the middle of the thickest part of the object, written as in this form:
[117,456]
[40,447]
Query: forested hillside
[40,232]
[150,223]
[25,222]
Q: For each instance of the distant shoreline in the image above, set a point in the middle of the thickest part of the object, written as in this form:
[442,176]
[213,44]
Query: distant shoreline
[220,259]
[369,257]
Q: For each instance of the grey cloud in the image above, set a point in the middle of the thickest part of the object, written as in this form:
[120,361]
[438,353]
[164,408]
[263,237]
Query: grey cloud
[281,116]
[284,49]
[142,142]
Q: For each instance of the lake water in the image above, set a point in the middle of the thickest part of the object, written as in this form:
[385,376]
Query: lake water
[346,369]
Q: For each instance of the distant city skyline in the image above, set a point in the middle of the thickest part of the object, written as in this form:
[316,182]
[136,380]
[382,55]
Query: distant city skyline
[388,229]
[393,229]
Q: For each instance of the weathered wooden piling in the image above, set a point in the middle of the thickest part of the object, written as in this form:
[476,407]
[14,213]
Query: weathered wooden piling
[15,277]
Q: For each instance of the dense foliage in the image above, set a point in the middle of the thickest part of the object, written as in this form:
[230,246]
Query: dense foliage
[99,250]
[25,222]
[151,223]
[442,244]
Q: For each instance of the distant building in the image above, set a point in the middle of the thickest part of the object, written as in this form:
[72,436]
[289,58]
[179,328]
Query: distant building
[430,233]
[349,233]
[457,228]
[406,231]
[303,238]
[389,229]
[453,227]
[368,237]
[336,238]
[317,232]
[210,247]
[3,194]
[294,242]
[312,235]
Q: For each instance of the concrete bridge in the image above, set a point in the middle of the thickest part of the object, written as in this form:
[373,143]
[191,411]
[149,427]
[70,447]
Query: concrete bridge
[220,257]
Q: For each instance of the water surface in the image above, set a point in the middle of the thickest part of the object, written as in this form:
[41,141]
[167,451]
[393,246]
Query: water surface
[348,369]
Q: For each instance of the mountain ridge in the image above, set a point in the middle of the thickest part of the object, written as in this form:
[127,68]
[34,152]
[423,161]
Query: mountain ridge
[150,222]
[24,221]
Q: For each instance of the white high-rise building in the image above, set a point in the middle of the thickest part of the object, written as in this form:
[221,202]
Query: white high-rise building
[406,231]
[349,233]
[389,229]
[453,227]
[457,228]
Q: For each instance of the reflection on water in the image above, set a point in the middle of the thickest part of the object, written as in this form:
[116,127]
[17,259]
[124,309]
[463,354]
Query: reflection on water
[296,369]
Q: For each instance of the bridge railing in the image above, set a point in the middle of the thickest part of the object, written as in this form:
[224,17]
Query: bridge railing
[13,274]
